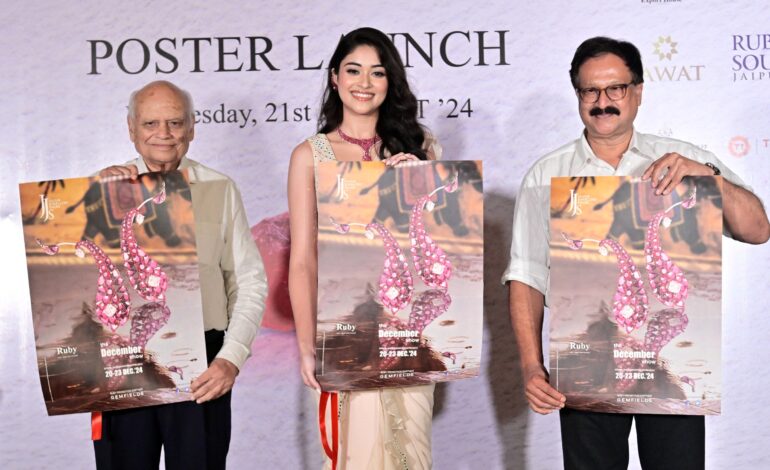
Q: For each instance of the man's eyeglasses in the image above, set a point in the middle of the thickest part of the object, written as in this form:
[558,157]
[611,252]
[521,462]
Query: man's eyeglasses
[613,92]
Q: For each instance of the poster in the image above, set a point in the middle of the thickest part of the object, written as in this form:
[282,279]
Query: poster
[635,293]
[400,273]
[114,289]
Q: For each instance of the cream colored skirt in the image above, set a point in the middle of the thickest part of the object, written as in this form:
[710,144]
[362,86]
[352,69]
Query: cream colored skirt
[384,429]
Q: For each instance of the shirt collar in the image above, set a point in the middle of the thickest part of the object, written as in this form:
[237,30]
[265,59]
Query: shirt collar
[141,166]
[585,156]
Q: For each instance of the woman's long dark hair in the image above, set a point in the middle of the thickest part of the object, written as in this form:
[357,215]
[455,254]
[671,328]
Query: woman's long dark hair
[397,123]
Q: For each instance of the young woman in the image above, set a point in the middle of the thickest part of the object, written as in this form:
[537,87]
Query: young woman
[368,113]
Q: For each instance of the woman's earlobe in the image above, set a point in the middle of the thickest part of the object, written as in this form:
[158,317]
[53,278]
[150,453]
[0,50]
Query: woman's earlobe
[334,79]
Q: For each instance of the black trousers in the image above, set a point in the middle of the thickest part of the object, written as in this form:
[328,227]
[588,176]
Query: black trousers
[599,441]
[193,436]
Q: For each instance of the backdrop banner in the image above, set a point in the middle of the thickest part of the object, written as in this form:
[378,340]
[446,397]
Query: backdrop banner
[492,83]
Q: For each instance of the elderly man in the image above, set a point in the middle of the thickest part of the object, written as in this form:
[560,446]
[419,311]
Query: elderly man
[233,289]
[607,77]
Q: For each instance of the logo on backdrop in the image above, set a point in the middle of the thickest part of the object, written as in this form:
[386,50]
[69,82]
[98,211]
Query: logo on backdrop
[740,146]
[169,55]
[751,58]
[665,48]
[669,67]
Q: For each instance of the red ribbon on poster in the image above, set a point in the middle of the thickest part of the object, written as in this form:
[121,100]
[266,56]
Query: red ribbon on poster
[331,451]
[96,425]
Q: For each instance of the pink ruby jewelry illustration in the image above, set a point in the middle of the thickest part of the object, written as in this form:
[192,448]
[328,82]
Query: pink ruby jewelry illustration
[450,355]
[428,306]
[396,285]
[112,302]
[146,321]
[430,261]
[663,327]
[630,305]
[689,381]
[667,281]
[144,273]
[177,370]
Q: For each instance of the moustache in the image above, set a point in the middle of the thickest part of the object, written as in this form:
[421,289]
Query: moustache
[597,111]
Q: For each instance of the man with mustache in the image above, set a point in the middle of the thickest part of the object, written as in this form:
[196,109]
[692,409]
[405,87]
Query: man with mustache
[608,80]
[193,434]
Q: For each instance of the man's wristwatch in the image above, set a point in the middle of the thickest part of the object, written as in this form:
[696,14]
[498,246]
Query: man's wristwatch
[716,170]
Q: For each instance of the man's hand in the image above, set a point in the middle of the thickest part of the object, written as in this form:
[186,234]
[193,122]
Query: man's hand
[215,381]
[119,171]
[676,167]
[542,397]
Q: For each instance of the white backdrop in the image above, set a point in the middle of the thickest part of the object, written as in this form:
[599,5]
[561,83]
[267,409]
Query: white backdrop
[63,115]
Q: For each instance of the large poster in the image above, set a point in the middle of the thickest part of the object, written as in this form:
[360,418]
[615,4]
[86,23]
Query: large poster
[635,292]
[115,294]
[400,273]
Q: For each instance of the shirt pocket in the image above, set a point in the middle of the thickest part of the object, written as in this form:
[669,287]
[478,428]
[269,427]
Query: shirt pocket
[209,240]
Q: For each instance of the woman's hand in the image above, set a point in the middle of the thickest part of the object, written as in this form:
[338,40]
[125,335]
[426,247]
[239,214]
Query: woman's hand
[307,370]
[400,158]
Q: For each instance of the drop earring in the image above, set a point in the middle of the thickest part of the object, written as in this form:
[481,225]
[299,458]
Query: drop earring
[667,281]
[396,285]
[630,305]
[144,273]
[112,300]
[430,261]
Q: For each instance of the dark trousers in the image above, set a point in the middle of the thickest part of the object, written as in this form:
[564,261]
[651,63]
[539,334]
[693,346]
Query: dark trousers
[193,436]
[599,441]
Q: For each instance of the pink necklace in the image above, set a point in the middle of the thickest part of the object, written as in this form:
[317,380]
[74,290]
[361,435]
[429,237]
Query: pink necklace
[365,144]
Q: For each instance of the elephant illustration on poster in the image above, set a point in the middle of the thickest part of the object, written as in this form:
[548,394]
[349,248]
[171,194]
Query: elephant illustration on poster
[105,205]
[395,187]
[628,219]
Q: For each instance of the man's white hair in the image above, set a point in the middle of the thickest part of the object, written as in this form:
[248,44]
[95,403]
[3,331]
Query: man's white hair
[184,94]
